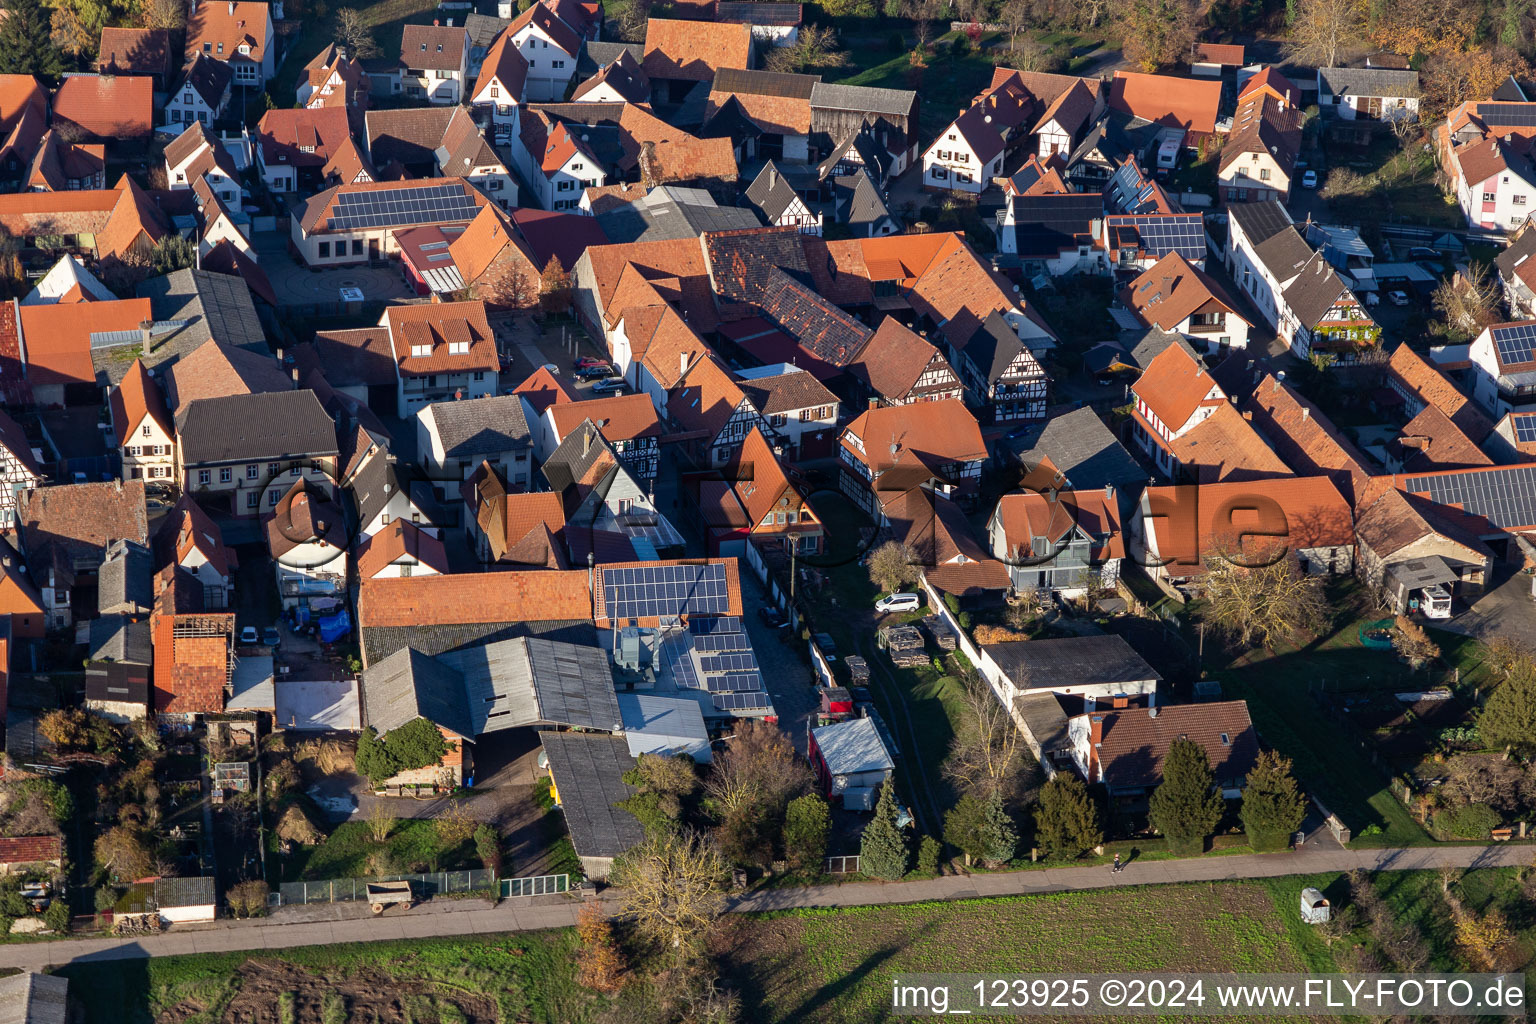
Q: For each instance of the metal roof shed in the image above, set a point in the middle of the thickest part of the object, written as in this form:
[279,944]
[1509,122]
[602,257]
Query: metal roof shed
[664,725]
[587,770]
[33,999]
[850,757]
[186,899]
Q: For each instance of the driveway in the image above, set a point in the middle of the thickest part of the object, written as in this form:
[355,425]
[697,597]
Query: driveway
[1505,610]
[298,285]
[787,678]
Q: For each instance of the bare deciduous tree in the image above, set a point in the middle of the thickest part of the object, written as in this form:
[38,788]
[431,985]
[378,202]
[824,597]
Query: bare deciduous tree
[380,822]
[987,751]
[1268,604]
[1323,28]
[674,886]
[892,564]
[355,35]
[166,14]
[758,766]
[1469,302]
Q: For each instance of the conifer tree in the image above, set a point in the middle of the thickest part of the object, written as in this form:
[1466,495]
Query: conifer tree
[883,851]
[1186,808]
[1000,836]
[26,42]
[1066,821]
[1273,806]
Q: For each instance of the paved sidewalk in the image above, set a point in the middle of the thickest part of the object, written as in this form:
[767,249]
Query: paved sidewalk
[447,918]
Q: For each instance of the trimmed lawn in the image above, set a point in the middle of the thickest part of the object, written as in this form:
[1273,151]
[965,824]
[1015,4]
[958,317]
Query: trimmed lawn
[947,84]
[387,19]
[1329,760]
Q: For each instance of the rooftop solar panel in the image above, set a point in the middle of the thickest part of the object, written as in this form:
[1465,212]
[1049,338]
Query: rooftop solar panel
[722,642]
[1505,496]
[427,205]
[1515,343]
[661,590]
[741,701]
[1510,114]
[736,661]
[714,624]
[1525,428]
[735,682]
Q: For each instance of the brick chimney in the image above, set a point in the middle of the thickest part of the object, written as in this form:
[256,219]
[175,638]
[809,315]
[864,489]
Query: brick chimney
[1095,737]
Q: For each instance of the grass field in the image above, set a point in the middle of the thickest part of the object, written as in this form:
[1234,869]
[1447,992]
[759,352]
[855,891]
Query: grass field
[413,845]
[387,19]
[947,84]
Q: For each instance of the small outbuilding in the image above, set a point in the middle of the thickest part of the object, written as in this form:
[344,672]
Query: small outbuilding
[33,998]
[186,899]
[586,772]
[1314,906]
[851,761]
[664,725]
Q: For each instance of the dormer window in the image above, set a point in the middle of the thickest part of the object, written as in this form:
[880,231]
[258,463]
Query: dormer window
[221,47]
[245,48]
[458,348]
[421,351]
[423,47]
[207,47]
[439,47]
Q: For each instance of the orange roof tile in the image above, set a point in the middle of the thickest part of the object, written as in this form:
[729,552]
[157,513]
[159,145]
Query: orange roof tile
[706,398]
[1273,82]
[543,389]
[760,481]
[1258,519]
[695,50]
[619,418]
[1224,446]
[1432,441]
[220,29]
[138,51]
[504,66]
[1306,439]
[1416,375]
[18,93]
[680,260]
[107,106]
[1174,385]
[58,337]
[943,431]
[459,599]
[1167,293]
[135,222]
[138,396]
[400,539]
[1185,103]
[30,850]
[440,325]
[1027,515]
[485,239]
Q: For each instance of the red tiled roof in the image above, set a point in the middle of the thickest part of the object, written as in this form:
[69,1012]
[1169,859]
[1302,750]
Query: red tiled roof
[107,106]
[19,93]
[1185,103]
[933,432]
[1273,81]
[58,337]
[401,538]
[504,65]
[439,326]
[1259,519]
[1306,439]
[137,51]
[543,389]
[1134,741]
[1418,376]
[619,418]
[531,596]
[30,850]
[138,396]
[695,50]
[1174,385]
[556,233]
[544,18]
[1167,293]
[220,29]
[1224,446]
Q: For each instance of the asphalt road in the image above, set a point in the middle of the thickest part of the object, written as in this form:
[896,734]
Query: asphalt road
[466,917]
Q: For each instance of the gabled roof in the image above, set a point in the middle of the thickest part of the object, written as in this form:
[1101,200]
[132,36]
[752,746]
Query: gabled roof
[433,47]
[1049,224]
[619,417]
[220,29]
[1224,446]
[544,18]
[1263,125]
[1316,290]
[138,396]
[58,162]
[1430,441]
[187,528]
[930,432]
[479,426]
[1134,741]
[321,212]
[504,65]
[20,93]
[410,135]
[1167,293]
[1174,384]
[776,102]
[993,348]
[1054,516]
[210,78]
[852,747]
[1271,79]
[624,76]
[772,193]
[1306,439]
[542,390]
[213,370]
[1185,103]
[68,281]
[1192,522]
[784,393]
[1397,519]
[400,541]
[268,425]
[213,306]
[78,522]
[1260,221]
[14,439]
[1070,110]
[1420,377]
[590,769]
[706,398]
[695,50]
[409,685]
[554,233]
[1368,82]
[134,51]
[1037,179]
[107,106]
[1225,54]
[1087,455]
[284,134]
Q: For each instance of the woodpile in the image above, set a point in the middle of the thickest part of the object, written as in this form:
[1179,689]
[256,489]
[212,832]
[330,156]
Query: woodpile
[905,645]
[940,631]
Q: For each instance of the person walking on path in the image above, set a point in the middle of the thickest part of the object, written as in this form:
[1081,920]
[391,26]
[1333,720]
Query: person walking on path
[1117,866]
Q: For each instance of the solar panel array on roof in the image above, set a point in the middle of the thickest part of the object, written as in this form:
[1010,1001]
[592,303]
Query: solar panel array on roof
[1525,428]
[722,642]
[1514,115]
[1161,234]
[429,204]
[1515,343]
[657,590]
[732,661]
[741,701]
[701,625]
[1505,496]
[734,682]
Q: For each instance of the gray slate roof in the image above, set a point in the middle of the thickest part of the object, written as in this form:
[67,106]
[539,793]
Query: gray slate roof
[596,55]
[664,725]
[1154,341]
[269,425]
[409,685]
[185,892]
[125,581]
[771,192]
[1368,82]
[863,98]
[858,200]
[1086,451]
[1046,721]
[1314,291]
[117,638]
[1260,221]
[34,999]
[588,769]
[574,455]
[528,681]
[380,642]
[852,746]
[480,426]
[669,213]
[1070,661]
[216,305]
[484,28]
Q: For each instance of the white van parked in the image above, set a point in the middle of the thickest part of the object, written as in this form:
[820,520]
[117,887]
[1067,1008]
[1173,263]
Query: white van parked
[898,603]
